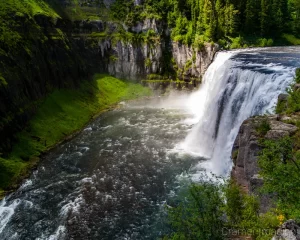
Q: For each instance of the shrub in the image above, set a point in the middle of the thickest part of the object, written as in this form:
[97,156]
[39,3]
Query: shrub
[199,42]
[263,42]
[237,42]
[263,127]
[199,216]
[297,77]
[210,208]
[148,62]
[280,169]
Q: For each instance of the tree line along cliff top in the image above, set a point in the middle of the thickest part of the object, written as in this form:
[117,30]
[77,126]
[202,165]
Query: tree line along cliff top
[229,22]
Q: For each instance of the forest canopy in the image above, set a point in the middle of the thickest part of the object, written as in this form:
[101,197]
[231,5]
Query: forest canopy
[198,21]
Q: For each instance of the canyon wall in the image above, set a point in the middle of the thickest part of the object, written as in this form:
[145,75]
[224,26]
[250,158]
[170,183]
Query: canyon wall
[134,59]
[46,53]
[246,150]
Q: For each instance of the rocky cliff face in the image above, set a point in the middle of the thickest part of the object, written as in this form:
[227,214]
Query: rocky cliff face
[42,60]
[246,151]
[192,63]
[134,60]
[55,53]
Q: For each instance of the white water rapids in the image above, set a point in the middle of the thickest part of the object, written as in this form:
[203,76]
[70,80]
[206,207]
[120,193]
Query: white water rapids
[237,85]
[112,180]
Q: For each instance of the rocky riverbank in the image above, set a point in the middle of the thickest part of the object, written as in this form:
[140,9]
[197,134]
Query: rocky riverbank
[246,152]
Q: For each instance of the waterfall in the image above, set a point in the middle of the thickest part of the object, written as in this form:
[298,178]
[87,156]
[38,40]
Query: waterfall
[237,85]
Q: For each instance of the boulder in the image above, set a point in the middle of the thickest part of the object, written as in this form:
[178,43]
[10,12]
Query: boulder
[296,87]
[289,230]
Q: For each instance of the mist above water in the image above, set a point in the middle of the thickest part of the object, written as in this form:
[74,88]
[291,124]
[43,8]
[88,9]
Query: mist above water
[237,85]
[113,179]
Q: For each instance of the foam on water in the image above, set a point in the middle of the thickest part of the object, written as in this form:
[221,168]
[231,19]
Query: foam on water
[6,212]
[114,179]
[233,89]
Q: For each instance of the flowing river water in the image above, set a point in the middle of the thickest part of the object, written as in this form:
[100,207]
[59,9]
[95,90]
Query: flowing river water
[113,180]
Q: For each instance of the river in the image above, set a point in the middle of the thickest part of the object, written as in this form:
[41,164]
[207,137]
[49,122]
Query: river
[115,178]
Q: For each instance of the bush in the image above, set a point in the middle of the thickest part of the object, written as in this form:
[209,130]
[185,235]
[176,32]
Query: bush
[292,104]
[148,62]
[297,77]
[199,216]
[263,42]
[237,42]
[222,43]
[199,42]
[210,210]
[280,169]
[263,127]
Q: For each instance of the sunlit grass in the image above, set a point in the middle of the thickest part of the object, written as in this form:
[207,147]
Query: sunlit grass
[59,115]
[291,39]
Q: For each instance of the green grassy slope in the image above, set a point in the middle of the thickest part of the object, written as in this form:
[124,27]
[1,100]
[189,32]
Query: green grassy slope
[60,114]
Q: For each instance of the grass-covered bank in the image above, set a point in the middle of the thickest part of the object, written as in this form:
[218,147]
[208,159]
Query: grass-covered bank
[59,115]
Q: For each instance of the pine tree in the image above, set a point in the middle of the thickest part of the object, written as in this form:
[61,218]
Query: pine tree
[264,17]
[295,12]
[230,19]
[251,18]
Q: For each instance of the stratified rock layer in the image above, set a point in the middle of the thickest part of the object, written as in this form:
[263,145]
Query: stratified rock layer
[246,151]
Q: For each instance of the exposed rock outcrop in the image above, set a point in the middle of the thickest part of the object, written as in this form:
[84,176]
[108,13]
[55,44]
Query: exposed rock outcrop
[288,231]
[55,52]
[134,60]
[193,63]
[246,151]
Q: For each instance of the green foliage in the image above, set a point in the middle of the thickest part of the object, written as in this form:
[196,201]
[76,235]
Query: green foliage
[214,20]
[292,104]
[18,27]
[199,42]
[297,77]
[113,58]
[211,210]
[263,127]
[2,81]
[234,156]
[237,42]
[59,115]
[188,65]
[281,107]
[291,39]
[234,205]
[148,62]
[280,168]
[280,161]
[120,9]
[200,215]
[29,7]
[263,42]
[154,76]
[180,29]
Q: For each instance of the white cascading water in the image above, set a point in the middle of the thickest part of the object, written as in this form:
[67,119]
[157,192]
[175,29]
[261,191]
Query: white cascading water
[114,177]
[232,91]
